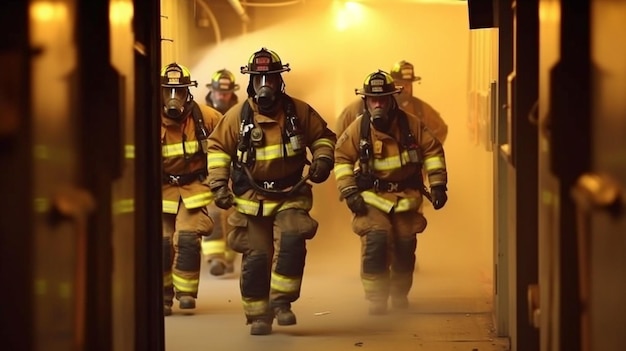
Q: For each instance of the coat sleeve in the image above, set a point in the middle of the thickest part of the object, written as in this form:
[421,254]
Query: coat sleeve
[320,139]
[346,156]
[223,147]
[434,157]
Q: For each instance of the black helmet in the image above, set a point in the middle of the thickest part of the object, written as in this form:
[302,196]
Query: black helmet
[403,70]
[379,83]
[224,81]
[176,76]
[264,61]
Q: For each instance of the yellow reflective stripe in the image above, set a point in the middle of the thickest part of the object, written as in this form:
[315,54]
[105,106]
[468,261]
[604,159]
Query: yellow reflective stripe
[406,204]
[392,162]
[218,160]
[433,163]
[273,152]
[213,247]
[343,170]
[185,285]
[251,207]
[167,280]
[285,284]
[321,143]
[124,206]
[379,202]
[198,200]
[374,285]
[246,206]
[173,150]
[129,151]
[255,307]
[170,206]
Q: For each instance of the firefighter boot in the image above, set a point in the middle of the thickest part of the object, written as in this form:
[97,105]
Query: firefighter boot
[186,302]
[284,315]
[399,302]
[261,327]
[378,307]
[167,309]
[217,267]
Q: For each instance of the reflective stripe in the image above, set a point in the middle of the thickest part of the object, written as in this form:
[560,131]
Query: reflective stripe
[124,206]
[434,163]
[129,151]
[374,285]
[403,205]
[251,207]
[170,206]
[213,247]
[255,307]
[218,160]
[198,200]
[392,162]
[343,170]
[185,285]
[319,143]
[174,150]
[285,284]
[273,152]
[377,201]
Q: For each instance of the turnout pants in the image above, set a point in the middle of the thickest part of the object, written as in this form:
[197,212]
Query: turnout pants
[181,251]
[388,243]
[274,254]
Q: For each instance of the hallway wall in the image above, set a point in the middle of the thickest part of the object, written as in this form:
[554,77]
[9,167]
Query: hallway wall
[331,47]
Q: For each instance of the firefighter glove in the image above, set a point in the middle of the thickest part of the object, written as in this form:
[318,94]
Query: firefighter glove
[320,169]
[439,196]
[224,198]
[355,202]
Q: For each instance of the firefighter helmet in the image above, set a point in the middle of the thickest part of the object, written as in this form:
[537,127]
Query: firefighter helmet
[224,81]
[403,70]
[264,61]
[379,83]
[176,76]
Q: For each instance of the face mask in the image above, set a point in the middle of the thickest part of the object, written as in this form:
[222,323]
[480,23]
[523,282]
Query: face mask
[378,116]
[174,102]
[265,92]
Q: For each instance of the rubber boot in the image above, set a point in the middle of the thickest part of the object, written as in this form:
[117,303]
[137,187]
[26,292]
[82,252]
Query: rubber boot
[186,302]
[261,327]
[284,315]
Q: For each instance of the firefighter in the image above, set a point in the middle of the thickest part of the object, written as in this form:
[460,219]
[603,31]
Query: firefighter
[185,126]
[222,89]
[390,148]
[265,139]
[220,257]
[403,76]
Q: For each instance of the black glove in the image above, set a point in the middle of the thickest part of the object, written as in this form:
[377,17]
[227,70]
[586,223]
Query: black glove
[320,169]
[224,198]
[439,196]
[355,202]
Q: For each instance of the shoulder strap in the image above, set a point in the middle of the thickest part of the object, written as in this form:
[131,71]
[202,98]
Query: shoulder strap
[365,143]
[408,139]
[202,134]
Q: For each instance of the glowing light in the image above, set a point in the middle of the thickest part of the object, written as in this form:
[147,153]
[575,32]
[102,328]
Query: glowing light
[46,11]
[348,14]
[120,12]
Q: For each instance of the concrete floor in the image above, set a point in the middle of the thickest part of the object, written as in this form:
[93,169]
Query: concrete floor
[451,301]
